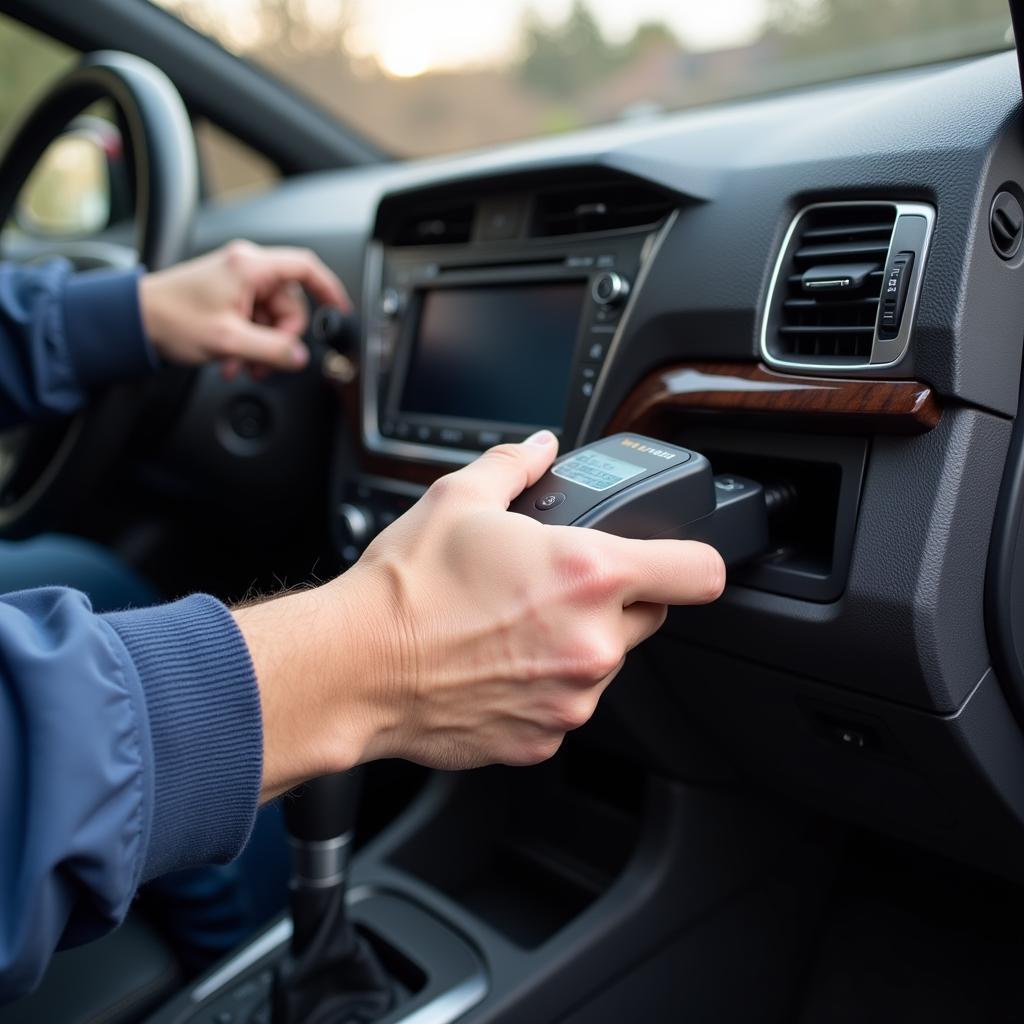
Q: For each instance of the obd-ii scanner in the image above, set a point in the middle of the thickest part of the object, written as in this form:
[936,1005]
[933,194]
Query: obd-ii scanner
[634,486]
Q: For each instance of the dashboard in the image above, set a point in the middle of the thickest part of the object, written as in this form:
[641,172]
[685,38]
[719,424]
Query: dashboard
[814,291]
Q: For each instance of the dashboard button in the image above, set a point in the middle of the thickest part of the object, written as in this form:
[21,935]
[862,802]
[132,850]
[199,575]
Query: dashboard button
[597,350]
[487,438]
[587,388]
[451,435]
[894,293]
[549,501]
[423,433]
[403,429]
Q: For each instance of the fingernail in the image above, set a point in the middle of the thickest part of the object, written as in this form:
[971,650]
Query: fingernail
[542,437]
[300,355]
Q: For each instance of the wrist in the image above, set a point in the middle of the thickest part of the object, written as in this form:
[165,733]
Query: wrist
[321,671]
[151,310]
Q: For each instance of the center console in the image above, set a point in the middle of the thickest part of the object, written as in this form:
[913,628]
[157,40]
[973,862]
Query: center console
[484,320]
[467,346]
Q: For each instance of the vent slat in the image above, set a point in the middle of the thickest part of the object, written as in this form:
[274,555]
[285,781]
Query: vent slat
[883,228]
[835,328]
[841,250]
[437,225]
[867,300]
[598,206]
[826,329]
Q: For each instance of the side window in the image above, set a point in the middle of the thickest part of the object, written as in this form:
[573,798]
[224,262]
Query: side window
[230,167]
[29,62]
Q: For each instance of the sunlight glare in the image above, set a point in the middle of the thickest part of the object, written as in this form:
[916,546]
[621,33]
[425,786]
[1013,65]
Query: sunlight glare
[404,56]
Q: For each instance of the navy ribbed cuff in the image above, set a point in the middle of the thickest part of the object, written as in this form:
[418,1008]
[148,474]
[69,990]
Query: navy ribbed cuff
[103,325]
[204,717]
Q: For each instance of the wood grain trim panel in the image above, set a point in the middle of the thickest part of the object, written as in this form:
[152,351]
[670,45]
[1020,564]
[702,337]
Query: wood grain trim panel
[841,404]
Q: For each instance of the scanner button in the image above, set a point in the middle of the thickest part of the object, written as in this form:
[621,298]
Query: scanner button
[728,484]
[549,501]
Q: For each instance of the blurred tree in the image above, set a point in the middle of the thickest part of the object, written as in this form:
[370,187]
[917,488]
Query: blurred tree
[650,35]
[566,58]
[808,27]
[563,58]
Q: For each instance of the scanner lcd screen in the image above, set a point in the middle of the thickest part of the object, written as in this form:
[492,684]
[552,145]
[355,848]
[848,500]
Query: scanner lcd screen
[595,470]
[497,353]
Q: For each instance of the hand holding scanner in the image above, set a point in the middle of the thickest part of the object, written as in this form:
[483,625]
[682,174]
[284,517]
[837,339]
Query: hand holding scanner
[634,486]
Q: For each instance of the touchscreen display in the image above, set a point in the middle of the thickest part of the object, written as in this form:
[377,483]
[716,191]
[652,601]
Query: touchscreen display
[596,471]
[498,353]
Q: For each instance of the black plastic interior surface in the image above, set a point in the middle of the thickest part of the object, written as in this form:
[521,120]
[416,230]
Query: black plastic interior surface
[528,859]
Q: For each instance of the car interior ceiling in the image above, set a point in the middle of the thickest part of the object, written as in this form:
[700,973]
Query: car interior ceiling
[804,802]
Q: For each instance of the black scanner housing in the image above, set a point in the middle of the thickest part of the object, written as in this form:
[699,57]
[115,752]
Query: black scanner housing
[677,497]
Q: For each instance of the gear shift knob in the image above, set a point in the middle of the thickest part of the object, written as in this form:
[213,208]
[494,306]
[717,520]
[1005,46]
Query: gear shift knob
[320,817]
[323,808]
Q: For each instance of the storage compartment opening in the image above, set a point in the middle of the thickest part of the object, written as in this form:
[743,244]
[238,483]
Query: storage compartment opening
[815,481]
[527,850]
[803,506]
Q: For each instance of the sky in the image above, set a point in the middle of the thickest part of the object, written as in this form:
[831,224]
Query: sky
[410,37]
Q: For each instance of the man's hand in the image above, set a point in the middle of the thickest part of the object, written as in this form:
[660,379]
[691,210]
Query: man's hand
[466,634]
[241,304]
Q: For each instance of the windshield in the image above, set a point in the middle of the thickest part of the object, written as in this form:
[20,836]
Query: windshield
[421,78]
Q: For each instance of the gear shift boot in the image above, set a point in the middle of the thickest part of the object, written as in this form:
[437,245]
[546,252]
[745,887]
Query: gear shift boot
[336,978]
[331,975]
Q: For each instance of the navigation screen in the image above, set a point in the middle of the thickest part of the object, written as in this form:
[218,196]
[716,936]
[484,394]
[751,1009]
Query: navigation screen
[596,471]
[498,353]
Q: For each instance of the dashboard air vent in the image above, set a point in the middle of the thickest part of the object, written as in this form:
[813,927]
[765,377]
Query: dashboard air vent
[824,306]
[599,206]
[441,224]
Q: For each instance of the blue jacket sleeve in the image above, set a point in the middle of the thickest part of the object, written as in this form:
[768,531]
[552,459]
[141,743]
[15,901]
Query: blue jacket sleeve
[62,334]
[130,745]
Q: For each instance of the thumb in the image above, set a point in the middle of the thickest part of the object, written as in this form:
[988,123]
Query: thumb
[504,472]
[268,346]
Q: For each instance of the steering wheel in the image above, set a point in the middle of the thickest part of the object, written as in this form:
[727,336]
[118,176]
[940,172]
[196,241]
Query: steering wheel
[43,467]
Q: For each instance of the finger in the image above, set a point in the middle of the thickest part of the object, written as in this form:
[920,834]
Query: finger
[229,368]
[254,343]
[285,308]
[668,571]
[280,264]
[597,692]
[640,621]
[504,472]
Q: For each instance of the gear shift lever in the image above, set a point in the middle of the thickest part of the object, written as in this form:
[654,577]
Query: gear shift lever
[331,975]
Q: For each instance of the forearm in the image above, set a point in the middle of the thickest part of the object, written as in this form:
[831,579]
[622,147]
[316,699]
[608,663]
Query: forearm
[130,745]
[62,335]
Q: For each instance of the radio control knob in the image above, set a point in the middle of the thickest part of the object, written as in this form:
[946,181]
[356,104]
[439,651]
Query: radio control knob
[609,288]
[355,529]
